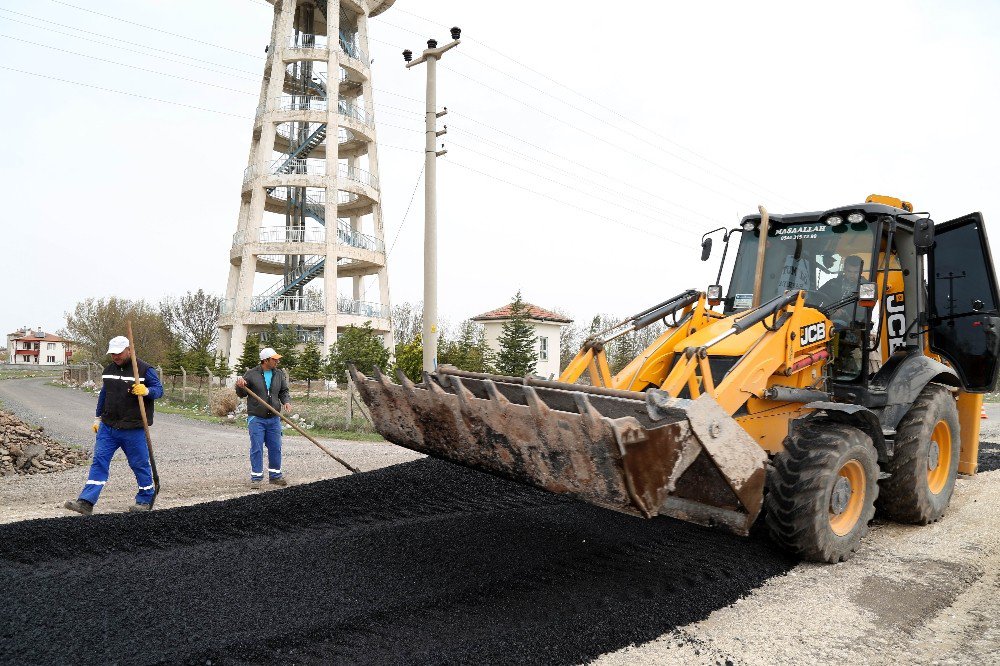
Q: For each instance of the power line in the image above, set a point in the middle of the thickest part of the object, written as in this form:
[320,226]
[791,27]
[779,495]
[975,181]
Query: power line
[123,92]
[574,189]
[597,138]
[129,66]
[382,109]
[148,27]
[48,24]
[566,159]
[579,208]
[606,108]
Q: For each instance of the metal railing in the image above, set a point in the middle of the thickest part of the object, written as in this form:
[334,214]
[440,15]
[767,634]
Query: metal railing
[284,235]
[303,40]
[287,304]
[303,335]
[345,107]
[349,109]
[299,103]
[349,45]
[357,174]
[362,308]
[298,166]
[348,236]
[228,306]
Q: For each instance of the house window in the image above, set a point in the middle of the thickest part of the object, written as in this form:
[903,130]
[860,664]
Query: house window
[50,359]
[543,349]
[50,345]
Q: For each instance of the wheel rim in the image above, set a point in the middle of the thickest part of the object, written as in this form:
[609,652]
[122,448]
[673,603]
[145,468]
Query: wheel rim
[845,511]
[939,458]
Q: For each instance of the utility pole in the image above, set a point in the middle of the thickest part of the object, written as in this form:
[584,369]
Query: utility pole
[430,56]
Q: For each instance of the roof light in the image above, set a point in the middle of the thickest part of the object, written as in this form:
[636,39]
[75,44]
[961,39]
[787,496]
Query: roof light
[856,218]
[748,225]
[714,294]
[835,220]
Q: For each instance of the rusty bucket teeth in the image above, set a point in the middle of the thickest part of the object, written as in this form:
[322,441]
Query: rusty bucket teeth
[632,452]
[494,393]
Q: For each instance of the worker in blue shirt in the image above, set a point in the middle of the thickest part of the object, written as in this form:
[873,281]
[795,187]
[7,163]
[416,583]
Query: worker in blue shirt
[119,425]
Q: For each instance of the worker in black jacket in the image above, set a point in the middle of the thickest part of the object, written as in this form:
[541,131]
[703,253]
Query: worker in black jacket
[265,427]
[119,426]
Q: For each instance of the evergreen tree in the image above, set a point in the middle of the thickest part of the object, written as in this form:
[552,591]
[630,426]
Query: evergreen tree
[518,356]
[221,367]
[309,366]
[410,358]
[175,359]
[285,342]
[361,346]
[251,355]
[196,360]
[469,352]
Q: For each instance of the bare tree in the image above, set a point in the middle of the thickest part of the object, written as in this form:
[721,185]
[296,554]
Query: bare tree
[407,320]
[94,321]
[193,319]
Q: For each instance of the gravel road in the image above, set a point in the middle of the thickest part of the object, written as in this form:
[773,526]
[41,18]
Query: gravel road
[425,562]
[197,461]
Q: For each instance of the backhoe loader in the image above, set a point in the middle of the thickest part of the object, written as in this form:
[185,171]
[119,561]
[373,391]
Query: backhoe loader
[841,374]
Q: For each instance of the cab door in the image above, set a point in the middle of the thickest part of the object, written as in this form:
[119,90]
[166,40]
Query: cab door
[964,319]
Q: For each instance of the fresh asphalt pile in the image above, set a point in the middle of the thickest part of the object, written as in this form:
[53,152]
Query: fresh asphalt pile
[424,562]
[989,456]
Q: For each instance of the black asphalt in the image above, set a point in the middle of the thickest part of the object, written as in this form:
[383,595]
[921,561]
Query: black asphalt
[421,563]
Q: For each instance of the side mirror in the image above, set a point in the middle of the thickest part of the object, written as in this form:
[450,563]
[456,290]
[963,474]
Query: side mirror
[706,249]
[923,235]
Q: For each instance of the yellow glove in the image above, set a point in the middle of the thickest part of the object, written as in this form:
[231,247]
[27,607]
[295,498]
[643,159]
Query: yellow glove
[138,389]
[97,425]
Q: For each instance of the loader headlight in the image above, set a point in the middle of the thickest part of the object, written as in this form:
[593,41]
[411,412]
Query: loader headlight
[748,226]
[867,292]
[835,220]
[714,294]
[856,218]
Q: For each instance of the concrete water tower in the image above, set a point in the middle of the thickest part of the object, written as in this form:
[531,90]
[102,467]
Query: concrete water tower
[310,222]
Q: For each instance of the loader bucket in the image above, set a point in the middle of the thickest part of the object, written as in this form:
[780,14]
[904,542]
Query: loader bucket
[645,454]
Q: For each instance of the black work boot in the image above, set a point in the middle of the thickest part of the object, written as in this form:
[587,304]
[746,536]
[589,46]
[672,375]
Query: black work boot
[140,507]
[280,481]
[81,506]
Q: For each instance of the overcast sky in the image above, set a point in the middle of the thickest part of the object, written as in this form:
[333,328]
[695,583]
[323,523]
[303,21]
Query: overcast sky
[588,149]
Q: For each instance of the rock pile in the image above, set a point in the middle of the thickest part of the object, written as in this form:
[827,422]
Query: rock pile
[25,450]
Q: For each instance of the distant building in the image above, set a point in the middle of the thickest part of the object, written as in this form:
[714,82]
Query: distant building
[36,347]
[546,324]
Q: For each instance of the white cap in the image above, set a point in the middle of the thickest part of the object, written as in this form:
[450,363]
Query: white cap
[117,345]
[267,353]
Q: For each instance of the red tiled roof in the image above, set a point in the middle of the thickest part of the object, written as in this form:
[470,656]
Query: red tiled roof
[29,336]
[534,312]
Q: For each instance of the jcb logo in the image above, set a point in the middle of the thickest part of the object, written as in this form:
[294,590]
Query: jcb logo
[895,321]
[813,333]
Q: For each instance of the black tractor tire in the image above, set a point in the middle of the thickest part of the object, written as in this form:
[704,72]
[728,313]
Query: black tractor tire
[920,487]
[822,490]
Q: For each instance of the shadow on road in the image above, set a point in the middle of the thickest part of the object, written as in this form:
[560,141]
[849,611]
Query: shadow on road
[419,563]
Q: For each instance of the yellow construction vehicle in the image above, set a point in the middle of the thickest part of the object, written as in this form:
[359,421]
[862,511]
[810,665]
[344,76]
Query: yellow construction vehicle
[841,373]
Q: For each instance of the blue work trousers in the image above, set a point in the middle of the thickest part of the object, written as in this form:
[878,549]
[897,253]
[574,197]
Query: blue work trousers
[133,443]
[265,432]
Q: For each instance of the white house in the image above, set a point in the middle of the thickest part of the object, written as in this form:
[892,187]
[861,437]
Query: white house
[546,324]
[28,347]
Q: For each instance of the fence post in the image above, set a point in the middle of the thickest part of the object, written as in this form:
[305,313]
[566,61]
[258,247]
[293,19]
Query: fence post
[184,384]
[350,404]
[89,373]
[211,378]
